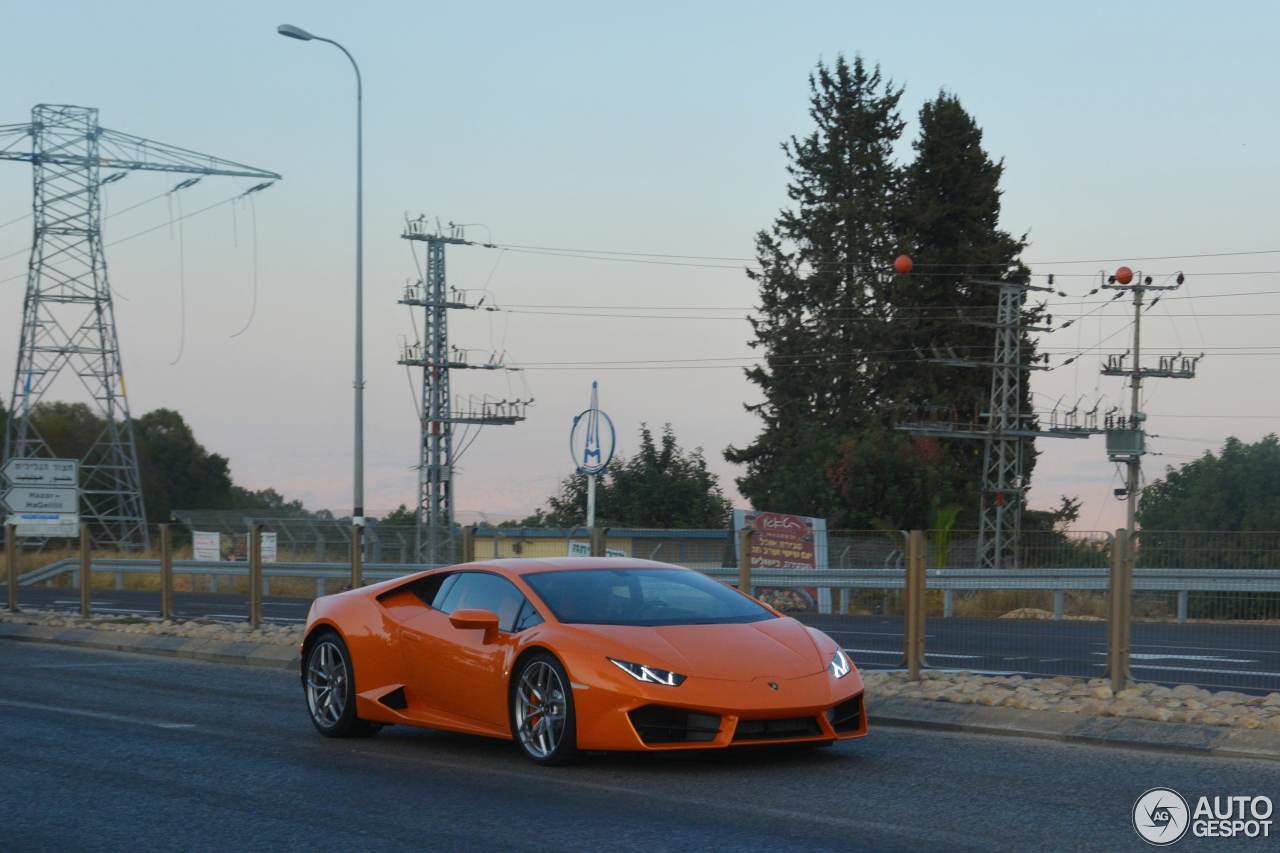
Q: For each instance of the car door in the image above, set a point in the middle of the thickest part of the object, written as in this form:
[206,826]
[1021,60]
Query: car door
[458,670]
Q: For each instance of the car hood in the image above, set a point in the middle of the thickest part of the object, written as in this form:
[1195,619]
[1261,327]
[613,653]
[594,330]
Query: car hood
[780,648]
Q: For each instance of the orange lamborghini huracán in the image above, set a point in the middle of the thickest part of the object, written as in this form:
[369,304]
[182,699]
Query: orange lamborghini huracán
[575,654]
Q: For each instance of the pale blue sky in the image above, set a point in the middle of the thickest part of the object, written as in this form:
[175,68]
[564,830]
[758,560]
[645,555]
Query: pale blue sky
[1133,129]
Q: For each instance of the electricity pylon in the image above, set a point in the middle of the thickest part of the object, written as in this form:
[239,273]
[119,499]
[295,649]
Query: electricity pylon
[1007,431]
[437,413]
[68,320]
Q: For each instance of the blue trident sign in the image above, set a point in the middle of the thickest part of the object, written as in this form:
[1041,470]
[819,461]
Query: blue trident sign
[590,451]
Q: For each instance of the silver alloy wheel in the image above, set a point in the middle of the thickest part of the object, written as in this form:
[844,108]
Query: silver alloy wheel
[541,708]
[327,683]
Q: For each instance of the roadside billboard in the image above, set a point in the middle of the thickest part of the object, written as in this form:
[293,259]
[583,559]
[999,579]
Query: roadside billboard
[781,542]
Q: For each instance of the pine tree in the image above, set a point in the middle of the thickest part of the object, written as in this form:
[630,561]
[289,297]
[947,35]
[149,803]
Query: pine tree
[842,340]
[822,307]
[948,219]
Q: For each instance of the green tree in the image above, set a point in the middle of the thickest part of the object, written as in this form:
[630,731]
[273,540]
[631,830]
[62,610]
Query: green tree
[177,471]
[661,486]
[823,308]
[843,342]
[1238,489]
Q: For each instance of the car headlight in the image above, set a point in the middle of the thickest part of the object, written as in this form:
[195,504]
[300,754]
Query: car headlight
[648,674]
[840,664]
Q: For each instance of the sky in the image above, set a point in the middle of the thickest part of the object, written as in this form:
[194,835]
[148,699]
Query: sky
[1128,132]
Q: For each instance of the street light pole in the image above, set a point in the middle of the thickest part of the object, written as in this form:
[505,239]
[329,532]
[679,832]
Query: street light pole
[357,512]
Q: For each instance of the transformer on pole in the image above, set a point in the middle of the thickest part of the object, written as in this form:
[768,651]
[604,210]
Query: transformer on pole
[68,318]
[437,412]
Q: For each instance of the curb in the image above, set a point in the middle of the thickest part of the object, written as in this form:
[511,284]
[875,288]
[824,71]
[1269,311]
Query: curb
[270,656]
[1124,732]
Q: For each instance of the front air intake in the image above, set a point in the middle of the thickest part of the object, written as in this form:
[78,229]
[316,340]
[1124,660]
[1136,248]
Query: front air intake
[662,724]
[789,727]
[847,716]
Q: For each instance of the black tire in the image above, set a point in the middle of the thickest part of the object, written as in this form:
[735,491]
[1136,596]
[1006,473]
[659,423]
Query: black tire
[329,685]
[543,742]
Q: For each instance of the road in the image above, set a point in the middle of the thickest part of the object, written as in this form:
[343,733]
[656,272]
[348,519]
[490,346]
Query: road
[106,751]
[1239,656]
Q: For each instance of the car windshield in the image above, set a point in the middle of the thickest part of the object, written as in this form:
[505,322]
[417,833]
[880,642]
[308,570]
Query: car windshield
[642,597]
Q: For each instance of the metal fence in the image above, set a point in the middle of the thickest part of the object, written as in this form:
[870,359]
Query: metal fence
[1204,608]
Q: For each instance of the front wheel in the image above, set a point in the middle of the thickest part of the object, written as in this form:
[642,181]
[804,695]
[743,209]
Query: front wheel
[331,689]
[542,717]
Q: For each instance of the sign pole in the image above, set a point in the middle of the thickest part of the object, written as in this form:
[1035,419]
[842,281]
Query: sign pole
[591,444]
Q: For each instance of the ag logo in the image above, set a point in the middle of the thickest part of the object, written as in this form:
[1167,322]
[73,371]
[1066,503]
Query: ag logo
[1161,817]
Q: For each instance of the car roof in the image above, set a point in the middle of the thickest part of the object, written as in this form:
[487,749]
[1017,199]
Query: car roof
[530,565]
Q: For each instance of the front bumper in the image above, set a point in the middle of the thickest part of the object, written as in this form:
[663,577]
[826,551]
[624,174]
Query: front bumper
[713,714]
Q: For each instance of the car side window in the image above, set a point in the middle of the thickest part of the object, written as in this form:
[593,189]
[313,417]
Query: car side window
[483,591]
[429,588]
[527,617]
[440,601]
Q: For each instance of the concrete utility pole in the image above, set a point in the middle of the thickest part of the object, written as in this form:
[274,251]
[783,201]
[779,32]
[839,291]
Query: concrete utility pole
[1126,437]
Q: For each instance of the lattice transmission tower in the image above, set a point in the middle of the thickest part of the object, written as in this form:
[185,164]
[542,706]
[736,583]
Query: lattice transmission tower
[438,413]
[1005,429]
[68,319]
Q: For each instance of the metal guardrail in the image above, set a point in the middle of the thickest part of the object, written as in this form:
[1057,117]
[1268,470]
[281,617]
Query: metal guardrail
[1180,581]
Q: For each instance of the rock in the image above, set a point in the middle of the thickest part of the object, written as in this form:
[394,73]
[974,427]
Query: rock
[1129,693]
[1271,700]
[1185,691]
[992,698]
[1102,691]
[1207,718]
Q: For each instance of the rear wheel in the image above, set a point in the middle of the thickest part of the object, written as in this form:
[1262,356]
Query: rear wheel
[542,717]
[331,689]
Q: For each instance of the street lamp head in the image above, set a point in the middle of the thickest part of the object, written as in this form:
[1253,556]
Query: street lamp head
[294,32]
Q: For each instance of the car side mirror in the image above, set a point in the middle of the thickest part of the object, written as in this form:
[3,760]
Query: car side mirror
[476,619]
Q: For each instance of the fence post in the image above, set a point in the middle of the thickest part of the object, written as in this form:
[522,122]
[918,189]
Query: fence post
[469,544]
[1183,597]
[357,556]
[11,563]
[1120,611]
[599,537]
[86,573]
[166,573]
[744,561]
[1059,604]
[913,618]
[255,575]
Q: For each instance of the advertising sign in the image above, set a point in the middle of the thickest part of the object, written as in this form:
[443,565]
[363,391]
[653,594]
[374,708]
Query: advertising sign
[268,547]
[780,543]
[206,545]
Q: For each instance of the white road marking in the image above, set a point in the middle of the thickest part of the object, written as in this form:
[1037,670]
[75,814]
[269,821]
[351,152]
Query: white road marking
[1206,669]
[97,715]
[1200,658]
[898,652]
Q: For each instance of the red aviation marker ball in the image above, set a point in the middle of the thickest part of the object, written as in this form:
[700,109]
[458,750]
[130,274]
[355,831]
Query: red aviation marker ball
[1124,275]
[902,264]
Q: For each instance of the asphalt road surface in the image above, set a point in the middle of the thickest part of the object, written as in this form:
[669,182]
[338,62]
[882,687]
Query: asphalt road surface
[106,751]
[1240,656]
